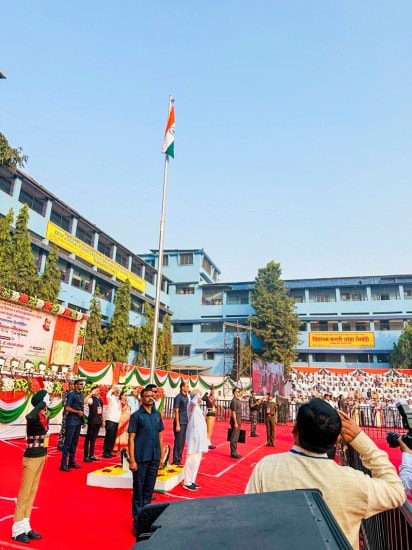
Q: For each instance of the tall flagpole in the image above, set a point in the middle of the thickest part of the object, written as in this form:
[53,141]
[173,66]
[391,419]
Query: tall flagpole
[168,150]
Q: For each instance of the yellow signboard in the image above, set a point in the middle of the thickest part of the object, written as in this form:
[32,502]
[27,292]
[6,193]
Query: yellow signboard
[341,340]
[59,236]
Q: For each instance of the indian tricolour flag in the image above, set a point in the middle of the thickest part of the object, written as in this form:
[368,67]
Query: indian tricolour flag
[169,140]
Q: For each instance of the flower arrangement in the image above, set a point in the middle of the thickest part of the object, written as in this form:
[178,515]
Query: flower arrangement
[22,384]
[48,386]
[7,384]
[57,387]
[35,385]
[21,298]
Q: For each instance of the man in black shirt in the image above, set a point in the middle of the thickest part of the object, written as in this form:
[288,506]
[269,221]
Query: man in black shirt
[180,421]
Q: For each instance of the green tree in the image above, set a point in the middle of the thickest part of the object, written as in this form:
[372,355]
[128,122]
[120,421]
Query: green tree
[275,322]
[164,351]
[247,357]
[119,334]
[93,350]
[21,274]
[146,336]
[5,245]
[11,157]
[51,277]
[401,356]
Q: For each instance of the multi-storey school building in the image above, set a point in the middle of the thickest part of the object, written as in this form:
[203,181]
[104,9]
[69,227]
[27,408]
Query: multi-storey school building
[345,322]
[88,257]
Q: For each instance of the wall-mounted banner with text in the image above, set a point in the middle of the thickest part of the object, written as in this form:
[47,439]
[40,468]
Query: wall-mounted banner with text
[341,340]
[72,244]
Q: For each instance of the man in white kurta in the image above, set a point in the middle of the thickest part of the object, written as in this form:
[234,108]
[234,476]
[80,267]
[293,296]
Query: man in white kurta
[196,441]
[350,494]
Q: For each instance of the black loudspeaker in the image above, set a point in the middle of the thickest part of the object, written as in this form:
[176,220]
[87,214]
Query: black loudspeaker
[283,520]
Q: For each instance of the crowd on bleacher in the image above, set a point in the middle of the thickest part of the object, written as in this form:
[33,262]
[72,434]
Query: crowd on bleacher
[370,399]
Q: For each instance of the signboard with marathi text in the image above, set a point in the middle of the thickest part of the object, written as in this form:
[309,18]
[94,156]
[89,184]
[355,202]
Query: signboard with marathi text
[72,244]
[341,339]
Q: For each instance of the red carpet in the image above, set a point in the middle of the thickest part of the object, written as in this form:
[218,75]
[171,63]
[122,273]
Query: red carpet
[70,514]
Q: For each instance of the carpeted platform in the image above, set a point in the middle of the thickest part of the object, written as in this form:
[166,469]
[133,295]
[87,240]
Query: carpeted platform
[71,514]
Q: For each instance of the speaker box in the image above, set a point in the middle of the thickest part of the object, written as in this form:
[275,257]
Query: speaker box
[282,520]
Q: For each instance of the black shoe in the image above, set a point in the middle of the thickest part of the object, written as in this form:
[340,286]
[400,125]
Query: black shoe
[64,468]
[236,456]
[254,435]
[94,458]
[74,465]
[191,487]
[87,459]
[32,535]
[22,538]
[59,447]
[105,455]
[212,446]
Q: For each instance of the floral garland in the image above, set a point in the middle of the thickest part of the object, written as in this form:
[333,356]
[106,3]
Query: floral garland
[44,305]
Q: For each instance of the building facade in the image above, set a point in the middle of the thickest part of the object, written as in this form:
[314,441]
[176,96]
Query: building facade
[345,322]
[88,257]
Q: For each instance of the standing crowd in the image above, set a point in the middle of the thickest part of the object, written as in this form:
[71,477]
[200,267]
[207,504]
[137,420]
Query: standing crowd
[133,424]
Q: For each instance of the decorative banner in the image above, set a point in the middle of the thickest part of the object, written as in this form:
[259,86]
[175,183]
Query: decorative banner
[25,333]
[341,340]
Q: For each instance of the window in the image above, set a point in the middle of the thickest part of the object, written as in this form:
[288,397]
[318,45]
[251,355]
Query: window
[353,294]
[6,186]
[104,247]
[136,305]
[237,297]
[182,350]
[105,290]
[324,326]
[355,325]
[185,289]
[321,296]
[207,266]
[136,268]
[208,356]
[212,297]
[165,260]
[211,327]
[358,358]
[407,293]
[122,258]
[84,234]
[182,327]
[383,357]
[385,293]
[34,203]
[298,296]
[81,279]
[382,325]
[60,218]
[361,325]
[389,324]
[186,259]
[326,358]
[149,276]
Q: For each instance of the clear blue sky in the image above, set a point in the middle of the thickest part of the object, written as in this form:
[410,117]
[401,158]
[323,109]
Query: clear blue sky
[293,125]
